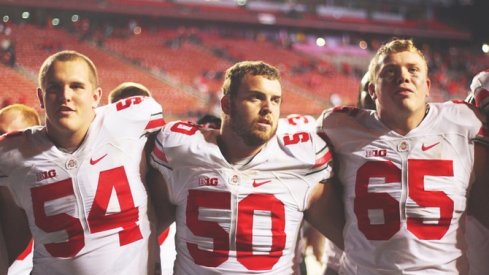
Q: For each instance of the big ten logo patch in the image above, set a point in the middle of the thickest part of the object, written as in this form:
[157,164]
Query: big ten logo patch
[206,181]
[46,174]
[376,153]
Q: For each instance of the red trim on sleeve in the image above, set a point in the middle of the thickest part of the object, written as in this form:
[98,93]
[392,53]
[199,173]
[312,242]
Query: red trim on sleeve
[323,160]
[162,237]
[159,154]
[483,132]
[155,123]
[26,251]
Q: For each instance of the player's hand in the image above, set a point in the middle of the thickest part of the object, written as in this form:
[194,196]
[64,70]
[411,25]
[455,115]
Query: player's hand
[479,91]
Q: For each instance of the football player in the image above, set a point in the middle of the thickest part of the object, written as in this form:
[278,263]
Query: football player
[78,179]
[16,117]
[166,242]
[241,191]
[407,169]
[127,89]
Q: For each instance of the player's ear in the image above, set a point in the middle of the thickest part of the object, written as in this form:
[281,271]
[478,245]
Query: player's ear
[371,91]
[226,104]
[40,97]
[428,83]
[97,95]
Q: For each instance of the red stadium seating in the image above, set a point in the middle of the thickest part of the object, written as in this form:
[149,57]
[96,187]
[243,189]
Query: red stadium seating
[35,44]
[16,88]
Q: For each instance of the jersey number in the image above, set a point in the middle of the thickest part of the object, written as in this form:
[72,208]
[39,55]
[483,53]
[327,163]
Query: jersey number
[127,102]
[417,170]
[98,220]
[293,119]
[198,199]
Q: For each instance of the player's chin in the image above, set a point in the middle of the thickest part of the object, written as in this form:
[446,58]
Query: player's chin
[257,137]
[265,134]
[66,122]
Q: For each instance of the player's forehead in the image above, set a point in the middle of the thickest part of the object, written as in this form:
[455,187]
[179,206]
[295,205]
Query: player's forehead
[260,84]
[402,58]
[73,70]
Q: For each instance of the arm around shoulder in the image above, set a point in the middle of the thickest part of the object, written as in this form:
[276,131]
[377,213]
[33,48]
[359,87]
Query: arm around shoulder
[326,212]
[14,225]
[158,193]
[478,201]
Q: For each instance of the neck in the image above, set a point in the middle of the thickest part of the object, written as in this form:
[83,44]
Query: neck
[66,140]
[403,122]
[234,149]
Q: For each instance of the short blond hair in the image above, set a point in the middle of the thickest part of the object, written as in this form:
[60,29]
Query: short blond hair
[64,56]
[396,45]
[128,89]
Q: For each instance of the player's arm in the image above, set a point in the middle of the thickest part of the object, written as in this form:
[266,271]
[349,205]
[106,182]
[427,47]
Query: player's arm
[164,210]
[478,202]
[326,212]
[15,228]
[315,240]
[158,192]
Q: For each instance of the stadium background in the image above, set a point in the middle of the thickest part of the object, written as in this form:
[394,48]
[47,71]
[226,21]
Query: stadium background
[179,49]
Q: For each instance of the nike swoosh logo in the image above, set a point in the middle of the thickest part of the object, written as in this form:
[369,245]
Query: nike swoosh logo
[257,184]
[425,148]
[93,162]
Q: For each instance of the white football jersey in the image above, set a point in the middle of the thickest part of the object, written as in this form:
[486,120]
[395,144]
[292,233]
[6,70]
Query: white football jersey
[404,195]
[235,219]
[294,123]
[87,210]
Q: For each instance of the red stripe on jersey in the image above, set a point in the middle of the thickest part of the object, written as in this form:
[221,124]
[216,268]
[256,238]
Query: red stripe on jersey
[26,252]
[323,160]
[484,132]
[481,96]
[155,123]
[459,101]
[162,237]
[159,154]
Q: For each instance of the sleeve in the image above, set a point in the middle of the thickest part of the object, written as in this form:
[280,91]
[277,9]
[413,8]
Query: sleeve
[171,136]
[174,135]
[311,151]
[138,112]
[324,160]
[467,114]
[158,158]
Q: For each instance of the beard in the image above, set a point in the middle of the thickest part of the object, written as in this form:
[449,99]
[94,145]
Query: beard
[252,134]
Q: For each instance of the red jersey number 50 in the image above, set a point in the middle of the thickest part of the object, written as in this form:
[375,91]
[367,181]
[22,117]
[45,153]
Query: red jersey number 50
[244,236]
